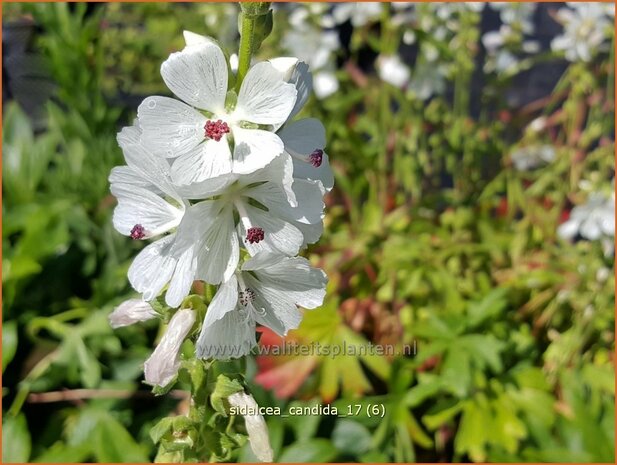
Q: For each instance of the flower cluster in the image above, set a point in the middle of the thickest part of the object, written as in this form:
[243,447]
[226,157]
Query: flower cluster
[586,25]
[230,188]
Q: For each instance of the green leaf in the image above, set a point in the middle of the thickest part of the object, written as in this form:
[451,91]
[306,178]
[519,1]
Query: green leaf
[63,453]
[456,372]
[224,387]
[113,443]
[161,429]
[305,426]
[417,394]
[484,350]
[351,437]
[472,432]
[16,442]
[435,420]
[314,450]
[90,369]
[492,305]
[9,342]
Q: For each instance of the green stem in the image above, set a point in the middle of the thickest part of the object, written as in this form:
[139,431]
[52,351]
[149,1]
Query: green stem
[247,39]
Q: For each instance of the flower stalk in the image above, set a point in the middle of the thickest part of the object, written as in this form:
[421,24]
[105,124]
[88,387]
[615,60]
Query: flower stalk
[255,25]
[246,47]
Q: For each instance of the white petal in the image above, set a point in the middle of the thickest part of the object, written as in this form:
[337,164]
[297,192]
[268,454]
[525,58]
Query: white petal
[127,176]
[255,426]
[198,75]
[224,301]
[254,149]
[206,161]
[590,229]
[220,251]
[190,38]
[274,308]
[280,173]
[152,268]
[182,279]
[297,279]
[129,135]
[568,230]
[208,188]
[131,311]
[262,260]
[169,127]
[304,136]
[310,209]
[279,235]
[162,366]
[325,84]
[137,205]
[153,169]
[301,138]
[297,73]
[285,66]
[264,97]
[607,222]
[232,336]
[311,232]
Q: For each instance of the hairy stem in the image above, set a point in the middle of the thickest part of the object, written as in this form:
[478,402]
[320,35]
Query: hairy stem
[247,39]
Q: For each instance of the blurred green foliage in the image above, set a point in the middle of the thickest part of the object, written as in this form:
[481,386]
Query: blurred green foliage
[432,238]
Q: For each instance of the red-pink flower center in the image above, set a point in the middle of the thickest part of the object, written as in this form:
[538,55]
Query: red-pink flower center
[216,129]
[255,235]
[138,232]
[316,158]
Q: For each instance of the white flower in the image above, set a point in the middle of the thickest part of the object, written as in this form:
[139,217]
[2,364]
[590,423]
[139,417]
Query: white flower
[317,48]
[359,13]
[267,220]
[255,425]
[131,311]
[428,79]
[305,139]
[528,158]
[593,220]
[267,290]
[585,28]
[199,140]
[392,70]
[162,366]
[148,206]
[517,14]
[326,84]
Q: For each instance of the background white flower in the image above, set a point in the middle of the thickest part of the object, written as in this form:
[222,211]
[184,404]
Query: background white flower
[593,220]
[391,69]
[586,26]
[533,156]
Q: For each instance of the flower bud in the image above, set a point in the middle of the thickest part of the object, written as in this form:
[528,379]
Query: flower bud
[162,366]
[131,311]
[255,425]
